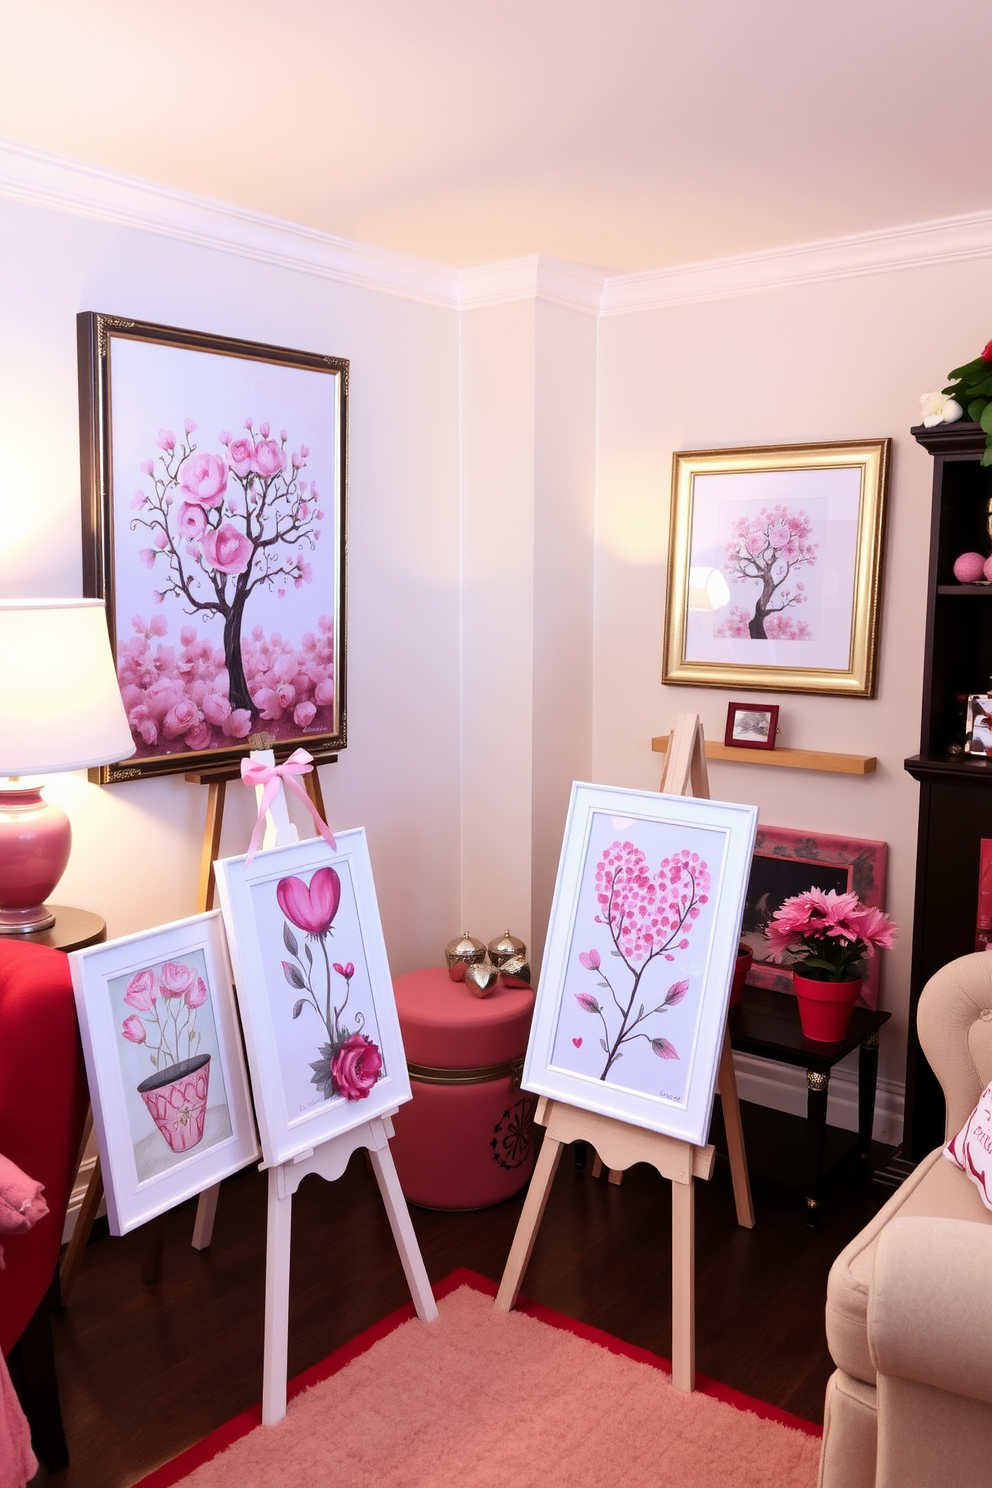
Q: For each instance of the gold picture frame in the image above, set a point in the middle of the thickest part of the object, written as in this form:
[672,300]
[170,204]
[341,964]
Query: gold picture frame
[793,534]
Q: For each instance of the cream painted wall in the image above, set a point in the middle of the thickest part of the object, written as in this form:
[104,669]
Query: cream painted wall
[136,850]
[528,468]
[840,360]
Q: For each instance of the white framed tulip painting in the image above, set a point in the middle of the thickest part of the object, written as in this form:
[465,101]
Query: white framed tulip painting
[168,1085]
[214,491]
[314,990]
[642,944]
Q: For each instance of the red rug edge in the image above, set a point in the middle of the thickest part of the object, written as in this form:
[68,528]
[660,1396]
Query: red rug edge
[222,1437]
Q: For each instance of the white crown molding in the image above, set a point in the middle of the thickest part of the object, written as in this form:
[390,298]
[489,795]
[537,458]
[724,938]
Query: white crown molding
[568,285]
[54,181]
[947,240]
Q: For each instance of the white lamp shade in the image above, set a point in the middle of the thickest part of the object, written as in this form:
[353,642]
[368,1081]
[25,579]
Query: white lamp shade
[60,706]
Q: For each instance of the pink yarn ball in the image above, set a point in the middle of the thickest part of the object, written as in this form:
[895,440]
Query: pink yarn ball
[987,570]
[969,568]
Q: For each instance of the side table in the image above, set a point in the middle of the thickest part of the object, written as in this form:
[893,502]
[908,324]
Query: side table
[767,1024]
[73,929]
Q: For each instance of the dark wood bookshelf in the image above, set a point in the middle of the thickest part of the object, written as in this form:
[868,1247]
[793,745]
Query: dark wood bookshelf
[955,788]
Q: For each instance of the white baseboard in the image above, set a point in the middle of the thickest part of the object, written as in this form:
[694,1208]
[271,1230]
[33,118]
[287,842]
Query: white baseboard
[782,1087]
[78,1195]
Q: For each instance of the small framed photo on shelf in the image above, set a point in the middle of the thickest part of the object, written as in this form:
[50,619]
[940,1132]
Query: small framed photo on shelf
[166,1071]
[751,725]
[314,991]
[978,735]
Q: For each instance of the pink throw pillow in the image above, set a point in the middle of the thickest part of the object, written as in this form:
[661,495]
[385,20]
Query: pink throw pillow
[971,1149]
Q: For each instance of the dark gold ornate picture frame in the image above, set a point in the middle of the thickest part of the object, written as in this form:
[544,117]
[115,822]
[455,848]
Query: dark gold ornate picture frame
[214,490]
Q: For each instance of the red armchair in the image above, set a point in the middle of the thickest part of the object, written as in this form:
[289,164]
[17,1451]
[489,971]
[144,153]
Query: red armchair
[43,1101]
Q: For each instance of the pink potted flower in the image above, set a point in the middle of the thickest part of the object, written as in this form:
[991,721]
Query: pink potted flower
[831,936]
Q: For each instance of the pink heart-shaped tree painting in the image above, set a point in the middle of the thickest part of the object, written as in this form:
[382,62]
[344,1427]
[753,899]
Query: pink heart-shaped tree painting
[649,917]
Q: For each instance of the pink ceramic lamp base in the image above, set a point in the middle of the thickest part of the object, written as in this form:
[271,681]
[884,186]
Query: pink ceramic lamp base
[35,839]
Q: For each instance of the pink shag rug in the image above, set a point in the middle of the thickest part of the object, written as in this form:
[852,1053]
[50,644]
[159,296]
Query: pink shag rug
[484,1399]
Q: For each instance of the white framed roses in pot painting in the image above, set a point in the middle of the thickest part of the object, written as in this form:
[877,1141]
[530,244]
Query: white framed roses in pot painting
[214,503]
[314,990]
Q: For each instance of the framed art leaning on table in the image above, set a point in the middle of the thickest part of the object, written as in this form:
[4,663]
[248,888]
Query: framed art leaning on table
[214,491]
[774,568]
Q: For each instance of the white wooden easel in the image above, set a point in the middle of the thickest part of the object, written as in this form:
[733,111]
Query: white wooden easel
[685,774]
[619,1145]
[329,1160]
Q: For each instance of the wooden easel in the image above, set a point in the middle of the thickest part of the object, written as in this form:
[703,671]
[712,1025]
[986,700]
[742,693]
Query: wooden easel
[685,774]
[329,1160]
[216,782]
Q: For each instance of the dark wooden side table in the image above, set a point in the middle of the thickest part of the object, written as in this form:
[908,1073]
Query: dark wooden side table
[767,1024]
[73,929]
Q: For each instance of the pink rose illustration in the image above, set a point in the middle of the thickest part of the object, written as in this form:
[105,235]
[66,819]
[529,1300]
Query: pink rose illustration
[176,978]
[204,479]
[180,719]
[227,550]
[311,909]
[239,454]
[196,995]
[356,1067]
[133,1030]
[191,520]
[268,459]
[141,992]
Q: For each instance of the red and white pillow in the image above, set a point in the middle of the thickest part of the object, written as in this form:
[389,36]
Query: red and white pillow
[971,1149]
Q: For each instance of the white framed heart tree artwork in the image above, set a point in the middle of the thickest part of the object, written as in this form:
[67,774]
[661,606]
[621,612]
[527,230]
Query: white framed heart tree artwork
[641,950]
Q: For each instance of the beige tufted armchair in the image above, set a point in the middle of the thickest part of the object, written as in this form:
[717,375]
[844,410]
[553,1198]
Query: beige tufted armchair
[909,1300]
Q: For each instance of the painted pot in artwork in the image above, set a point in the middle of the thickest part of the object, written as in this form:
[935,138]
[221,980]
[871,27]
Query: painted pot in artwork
[825,1007]
[176,1098]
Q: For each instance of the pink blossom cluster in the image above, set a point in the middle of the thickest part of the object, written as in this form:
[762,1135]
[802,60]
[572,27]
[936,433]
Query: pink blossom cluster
[182,990]
[775,535]
[177,698]
[649,914]
[777,627]
[829,928]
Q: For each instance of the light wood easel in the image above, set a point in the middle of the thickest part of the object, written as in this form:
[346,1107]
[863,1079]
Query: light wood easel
[619,1144]
[216,782]
[685,774]
[329,1160]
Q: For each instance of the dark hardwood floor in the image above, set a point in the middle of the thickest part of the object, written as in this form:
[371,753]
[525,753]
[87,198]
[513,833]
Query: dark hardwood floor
[145,1371]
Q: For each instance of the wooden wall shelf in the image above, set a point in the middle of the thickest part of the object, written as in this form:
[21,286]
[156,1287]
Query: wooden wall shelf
[789,759]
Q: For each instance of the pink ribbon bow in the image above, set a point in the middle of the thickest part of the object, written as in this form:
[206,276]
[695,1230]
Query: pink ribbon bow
[253,772]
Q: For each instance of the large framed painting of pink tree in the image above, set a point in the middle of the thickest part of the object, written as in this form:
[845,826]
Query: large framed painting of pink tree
[774,567]
[214,489]
[640,954]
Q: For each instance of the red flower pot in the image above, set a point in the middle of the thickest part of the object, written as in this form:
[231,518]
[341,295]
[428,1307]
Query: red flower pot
[745,956]
[177,1101]
[825,1007]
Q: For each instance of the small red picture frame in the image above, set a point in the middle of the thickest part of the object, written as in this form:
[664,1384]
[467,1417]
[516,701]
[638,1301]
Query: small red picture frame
[751,725]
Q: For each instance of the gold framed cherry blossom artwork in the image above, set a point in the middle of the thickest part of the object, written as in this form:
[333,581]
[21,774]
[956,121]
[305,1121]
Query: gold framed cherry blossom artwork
[214,505]
[774,571]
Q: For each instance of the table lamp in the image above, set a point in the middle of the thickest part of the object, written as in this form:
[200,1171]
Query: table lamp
[60,709]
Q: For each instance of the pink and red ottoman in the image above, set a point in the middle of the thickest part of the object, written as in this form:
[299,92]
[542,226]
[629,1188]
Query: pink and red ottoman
[466,1140]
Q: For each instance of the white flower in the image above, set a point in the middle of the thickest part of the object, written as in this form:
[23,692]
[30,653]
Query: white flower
[939,409]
